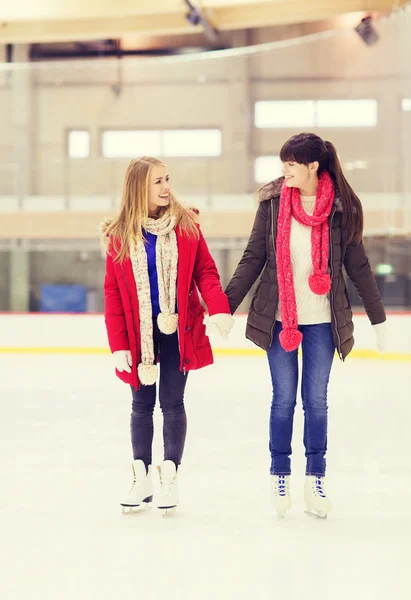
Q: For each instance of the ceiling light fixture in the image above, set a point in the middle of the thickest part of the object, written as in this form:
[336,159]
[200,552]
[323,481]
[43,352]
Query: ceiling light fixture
[196,17]
[366,31]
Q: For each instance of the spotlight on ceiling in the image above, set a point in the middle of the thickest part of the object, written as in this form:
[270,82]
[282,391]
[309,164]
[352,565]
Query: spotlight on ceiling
[195,17]
[366,31]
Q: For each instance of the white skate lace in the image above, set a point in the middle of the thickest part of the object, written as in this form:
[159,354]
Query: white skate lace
[136,483]
[319,487]
[167,487]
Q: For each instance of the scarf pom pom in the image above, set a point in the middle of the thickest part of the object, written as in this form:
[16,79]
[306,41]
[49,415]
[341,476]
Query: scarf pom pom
[290,339]
[320,284]
[167,323]
[147,374]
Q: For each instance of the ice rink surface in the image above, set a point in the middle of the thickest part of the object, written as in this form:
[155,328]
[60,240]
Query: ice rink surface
[65,464]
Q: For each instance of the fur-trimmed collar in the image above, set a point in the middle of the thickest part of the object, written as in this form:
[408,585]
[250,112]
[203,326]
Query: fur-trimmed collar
[272,190]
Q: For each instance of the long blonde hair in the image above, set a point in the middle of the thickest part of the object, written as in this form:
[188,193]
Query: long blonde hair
[129,223]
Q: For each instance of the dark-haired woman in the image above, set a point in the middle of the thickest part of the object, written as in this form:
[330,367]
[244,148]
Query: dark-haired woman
[308,225]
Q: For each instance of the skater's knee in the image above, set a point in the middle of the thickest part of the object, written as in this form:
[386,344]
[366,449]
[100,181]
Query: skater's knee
[315,401]
[283,402]
[142,410]
[172,409]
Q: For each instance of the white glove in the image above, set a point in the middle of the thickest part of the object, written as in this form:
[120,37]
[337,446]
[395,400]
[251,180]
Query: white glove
[123,360]
[380,331]
[221,323]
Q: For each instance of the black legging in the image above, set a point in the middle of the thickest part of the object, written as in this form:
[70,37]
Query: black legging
[171,395]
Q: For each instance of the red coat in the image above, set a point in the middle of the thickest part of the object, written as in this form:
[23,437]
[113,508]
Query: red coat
[196,268]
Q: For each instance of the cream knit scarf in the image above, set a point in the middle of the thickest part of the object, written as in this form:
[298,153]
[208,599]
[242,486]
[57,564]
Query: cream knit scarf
[166,262]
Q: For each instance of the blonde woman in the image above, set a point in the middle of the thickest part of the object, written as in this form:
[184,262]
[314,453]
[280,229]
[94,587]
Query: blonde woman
[156,259]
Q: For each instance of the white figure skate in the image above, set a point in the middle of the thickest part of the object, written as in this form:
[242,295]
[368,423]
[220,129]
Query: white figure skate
[317,503]
[280,494]
[168,498]
[140,495]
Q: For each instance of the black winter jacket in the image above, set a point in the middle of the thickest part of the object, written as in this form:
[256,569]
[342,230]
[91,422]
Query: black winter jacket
[259,258]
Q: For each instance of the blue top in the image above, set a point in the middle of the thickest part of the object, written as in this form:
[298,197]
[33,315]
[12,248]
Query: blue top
[152,270]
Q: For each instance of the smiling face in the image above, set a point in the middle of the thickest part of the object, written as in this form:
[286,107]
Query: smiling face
[158,189]
[299,175]
[304,156]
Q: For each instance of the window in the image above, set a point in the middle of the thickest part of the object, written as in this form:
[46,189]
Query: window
[346,113]
[296,114]
[267,168]
[406,104]
[78,144]
[355,165]
[195,142]
[384,269]
[128,143]
[284,113]
[178,142]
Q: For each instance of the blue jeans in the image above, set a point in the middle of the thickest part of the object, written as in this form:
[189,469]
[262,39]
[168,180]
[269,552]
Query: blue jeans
[171,396]
[318,352]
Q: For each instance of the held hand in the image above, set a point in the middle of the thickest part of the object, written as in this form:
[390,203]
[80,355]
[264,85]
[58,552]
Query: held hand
[123,360]
[221,323]
[380,331]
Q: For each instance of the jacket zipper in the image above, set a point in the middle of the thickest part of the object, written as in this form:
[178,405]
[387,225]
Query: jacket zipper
[331,289]
[272,237]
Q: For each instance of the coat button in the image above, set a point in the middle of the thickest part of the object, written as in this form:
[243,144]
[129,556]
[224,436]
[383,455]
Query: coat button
[186,361]
[188,328]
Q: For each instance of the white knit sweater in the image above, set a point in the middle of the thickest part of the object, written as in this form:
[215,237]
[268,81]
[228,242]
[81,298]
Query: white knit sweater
[311,308]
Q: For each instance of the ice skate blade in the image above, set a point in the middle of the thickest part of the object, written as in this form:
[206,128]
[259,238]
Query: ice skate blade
[135,510]
[315,515]
[281,513]
[167,512]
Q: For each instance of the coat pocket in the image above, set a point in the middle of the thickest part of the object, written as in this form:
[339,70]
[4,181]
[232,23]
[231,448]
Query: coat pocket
[260,298]
[196,330]
[346,300]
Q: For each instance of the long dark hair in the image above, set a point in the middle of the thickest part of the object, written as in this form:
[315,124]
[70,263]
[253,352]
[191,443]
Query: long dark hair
[306,148]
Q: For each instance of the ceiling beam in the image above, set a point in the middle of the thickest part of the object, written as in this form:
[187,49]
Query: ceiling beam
[293,11]
[93,29]
[224,15]
[23,10]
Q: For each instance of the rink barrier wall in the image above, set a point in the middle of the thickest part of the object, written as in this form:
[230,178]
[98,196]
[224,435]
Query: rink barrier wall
[37,333]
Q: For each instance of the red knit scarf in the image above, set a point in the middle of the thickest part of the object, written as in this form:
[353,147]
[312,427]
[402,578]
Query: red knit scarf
[319,281]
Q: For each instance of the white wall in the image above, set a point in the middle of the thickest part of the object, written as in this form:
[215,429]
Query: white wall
[215,93]
[86,333]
